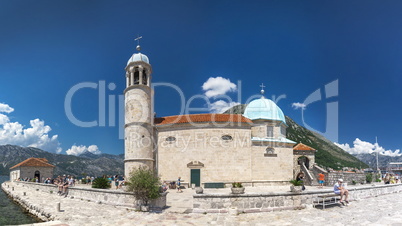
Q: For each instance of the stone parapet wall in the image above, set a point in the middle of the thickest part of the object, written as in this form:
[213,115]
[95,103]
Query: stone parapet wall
[268,202]
[109,197]
[332,177]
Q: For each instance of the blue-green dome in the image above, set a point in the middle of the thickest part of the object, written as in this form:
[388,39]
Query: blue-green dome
[138,57]
[264,109]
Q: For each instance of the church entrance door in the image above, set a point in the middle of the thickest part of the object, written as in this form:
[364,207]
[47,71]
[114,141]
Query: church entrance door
[196,177]
[37,174]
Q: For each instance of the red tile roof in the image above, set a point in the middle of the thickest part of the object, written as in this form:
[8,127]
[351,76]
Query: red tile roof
[302,147]
[42,162]
[197,118]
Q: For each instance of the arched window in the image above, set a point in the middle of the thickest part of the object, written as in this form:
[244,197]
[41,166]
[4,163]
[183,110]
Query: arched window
[144,78]
[270,152]
[136,76]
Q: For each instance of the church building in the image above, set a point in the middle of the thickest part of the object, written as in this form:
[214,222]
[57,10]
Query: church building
[32,168]
[205,148]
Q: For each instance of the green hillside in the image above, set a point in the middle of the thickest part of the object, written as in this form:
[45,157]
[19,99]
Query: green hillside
[327,155]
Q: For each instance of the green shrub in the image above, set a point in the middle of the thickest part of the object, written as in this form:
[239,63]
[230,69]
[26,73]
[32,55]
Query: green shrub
[101,183]
[369,177]
[237,185]
[354,182]
[296,182]
[144,184]
[377,177]
[84,181]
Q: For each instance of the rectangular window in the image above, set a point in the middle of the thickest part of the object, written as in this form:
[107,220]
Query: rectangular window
[283,130]
[270,131]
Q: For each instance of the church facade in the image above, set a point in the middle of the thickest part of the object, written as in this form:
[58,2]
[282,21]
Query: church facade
[32,168]
[204,148]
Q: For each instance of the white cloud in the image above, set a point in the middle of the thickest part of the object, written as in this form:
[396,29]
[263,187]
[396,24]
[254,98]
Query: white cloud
[78,150]
[35,136]
[6,108]
[218,86]
[4,119]
[221,106]
[298,105]
[364,147]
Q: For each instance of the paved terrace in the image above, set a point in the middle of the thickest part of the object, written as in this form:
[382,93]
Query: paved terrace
[381,210]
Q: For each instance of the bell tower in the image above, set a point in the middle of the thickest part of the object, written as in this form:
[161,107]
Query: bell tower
[138,128]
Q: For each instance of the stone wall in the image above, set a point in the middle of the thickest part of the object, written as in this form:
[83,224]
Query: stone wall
[267,202]
[332,177]
[109,197]
[29,172]
[205,145]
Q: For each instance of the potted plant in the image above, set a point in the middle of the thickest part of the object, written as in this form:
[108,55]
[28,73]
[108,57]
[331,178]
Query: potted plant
[237,188]
[296,186]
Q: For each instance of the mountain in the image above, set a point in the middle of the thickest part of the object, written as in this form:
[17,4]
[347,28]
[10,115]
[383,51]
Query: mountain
[383,160]
[88,164]
[328,155]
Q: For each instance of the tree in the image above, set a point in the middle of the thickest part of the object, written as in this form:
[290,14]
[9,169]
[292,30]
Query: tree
[144,184]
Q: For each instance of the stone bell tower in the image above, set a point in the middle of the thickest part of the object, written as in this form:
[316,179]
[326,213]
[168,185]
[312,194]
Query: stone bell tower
[138,126]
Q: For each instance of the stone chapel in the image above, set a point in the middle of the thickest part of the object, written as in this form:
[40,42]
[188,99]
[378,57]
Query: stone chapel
[206,149]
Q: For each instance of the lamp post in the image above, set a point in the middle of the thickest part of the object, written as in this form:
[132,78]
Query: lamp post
[378,169]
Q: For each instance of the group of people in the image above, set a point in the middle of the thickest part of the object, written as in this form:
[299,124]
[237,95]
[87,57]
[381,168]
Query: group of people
[118,182]
[390,178]
[339,187]
[172,185]
[63,183]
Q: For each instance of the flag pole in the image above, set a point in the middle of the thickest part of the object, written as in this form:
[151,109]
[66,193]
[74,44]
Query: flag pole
[378,170]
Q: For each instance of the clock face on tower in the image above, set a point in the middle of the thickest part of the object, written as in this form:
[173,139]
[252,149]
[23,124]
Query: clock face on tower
[137,108]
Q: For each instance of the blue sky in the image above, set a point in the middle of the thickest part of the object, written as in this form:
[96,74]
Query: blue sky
[293,47]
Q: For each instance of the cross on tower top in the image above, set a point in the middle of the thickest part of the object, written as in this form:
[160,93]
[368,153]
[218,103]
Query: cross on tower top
[138,42]
[262,88]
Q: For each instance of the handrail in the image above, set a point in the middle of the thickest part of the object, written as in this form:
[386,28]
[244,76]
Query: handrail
[307,172]
[320,169]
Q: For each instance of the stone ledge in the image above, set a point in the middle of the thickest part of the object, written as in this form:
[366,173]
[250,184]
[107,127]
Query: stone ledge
[268,202]
[108,197]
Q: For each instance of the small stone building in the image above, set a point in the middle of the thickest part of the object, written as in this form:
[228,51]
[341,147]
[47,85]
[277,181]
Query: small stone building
[32,168]
[303,155]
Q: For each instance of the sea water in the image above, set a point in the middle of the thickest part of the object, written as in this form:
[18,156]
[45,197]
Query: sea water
[11,213]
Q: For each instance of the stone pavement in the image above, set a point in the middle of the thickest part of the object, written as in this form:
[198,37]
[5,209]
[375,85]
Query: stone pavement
[381,210]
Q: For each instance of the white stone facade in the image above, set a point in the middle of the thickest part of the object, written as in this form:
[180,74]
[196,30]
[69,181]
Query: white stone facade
[139,136]
[181,146]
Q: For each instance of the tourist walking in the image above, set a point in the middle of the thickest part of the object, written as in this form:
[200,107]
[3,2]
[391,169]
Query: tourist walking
[116,181]
[321,179]
[179,184]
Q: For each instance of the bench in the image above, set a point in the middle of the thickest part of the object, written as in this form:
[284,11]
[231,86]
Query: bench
[326,200]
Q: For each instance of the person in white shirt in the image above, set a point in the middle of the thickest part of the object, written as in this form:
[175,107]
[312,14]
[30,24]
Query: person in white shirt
[340,189]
